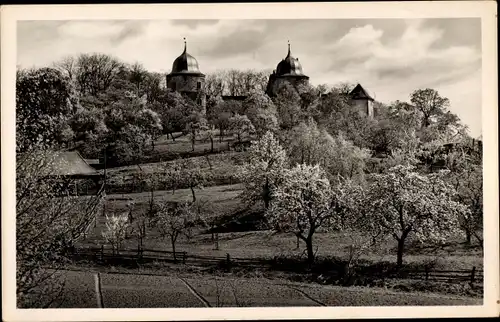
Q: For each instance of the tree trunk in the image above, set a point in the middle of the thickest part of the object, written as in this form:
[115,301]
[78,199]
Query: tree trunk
[310,252]
[192,192]
[401,248]
[172,136]
[212,145]
[298,242]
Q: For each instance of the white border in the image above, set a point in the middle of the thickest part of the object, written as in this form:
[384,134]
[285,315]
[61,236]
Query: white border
[436,9]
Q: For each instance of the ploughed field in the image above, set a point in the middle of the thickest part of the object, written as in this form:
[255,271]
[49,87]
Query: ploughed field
[109,290]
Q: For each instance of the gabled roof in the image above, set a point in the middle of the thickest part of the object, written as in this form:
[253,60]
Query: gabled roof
[360,93]
[70,163]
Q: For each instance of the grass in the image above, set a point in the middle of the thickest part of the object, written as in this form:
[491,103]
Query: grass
[219,169]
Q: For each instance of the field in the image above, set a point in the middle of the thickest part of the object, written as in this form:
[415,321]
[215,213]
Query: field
[277,256]
[189,290]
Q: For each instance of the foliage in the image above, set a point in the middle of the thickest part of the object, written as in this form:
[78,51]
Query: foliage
[49,220]
[404,202]
[241,126]
[116,230]
[264,170]
[45,100]
[260,110]
[303,204]
[174,221]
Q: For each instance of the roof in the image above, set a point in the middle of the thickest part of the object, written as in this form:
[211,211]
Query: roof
[185,64]
[70,163]
[360,93]
[290,66]
[234,97]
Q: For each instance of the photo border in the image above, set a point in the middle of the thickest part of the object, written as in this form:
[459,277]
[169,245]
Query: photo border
[486,10]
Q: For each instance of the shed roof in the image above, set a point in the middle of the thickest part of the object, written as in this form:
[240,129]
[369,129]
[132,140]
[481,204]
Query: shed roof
[70,163]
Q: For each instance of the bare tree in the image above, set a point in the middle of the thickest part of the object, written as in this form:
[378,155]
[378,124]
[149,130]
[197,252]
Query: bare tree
[96,72]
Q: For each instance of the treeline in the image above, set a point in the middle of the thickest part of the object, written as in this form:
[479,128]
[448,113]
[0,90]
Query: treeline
[94,102]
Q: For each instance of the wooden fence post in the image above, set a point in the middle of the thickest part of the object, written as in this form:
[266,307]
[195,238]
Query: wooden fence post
[228,261]
[184,257]
[426,273]
[102,253]
[473,275]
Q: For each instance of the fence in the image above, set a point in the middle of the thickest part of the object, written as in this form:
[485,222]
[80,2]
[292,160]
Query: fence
[107,255]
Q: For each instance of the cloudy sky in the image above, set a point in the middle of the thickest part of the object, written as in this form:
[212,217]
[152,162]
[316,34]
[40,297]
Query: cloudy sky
[389,57]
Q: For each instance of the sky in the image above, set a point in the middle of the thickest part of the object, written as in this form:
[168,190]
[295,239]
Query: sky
[389,57]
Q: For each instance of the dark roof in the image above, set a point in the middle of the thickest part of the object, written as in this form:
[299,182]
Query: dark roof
[360,93]
[185,64]
[70,163]
[290,66]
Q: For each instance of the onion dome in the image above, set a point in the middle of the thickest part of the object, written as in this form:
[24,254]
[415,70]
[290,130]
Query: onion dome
[185,64]
[290,66]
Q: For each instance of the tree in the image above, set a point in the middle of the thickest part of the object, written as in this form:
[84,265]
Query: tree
[406,203]
[49,221]
[150,124]
[303,204]
[260,110]
[196,127]
[95,73]
[193,176]
[220,114]
[241,126]
[173,221]
[116,231]
[287,102]
[309,144]
[45,100]
[264,170]
[137,76]
[466,176]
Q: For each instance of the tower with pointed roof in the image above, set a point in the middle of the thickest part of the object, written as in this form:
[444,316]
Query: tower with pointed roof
[362,99]
[288,71]
[187,79]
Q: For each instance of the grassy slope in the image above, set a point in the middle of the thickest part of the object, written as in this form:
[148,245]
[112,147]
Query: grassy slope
[265,244]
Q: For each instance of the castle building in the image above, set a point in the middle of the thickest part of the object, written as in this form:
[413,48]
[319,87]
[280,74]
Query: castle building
[187,79]
[362,99]
[288,71]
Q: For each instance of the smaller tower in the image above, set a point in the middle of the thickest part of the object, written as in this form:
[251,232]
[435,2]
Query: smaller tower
[361,99]
[289,70]
[187,79]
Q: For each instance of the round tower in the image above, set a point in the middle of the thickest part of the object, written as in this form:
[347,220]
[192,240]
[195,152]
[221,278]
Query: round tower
[187,79]
[289,70]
